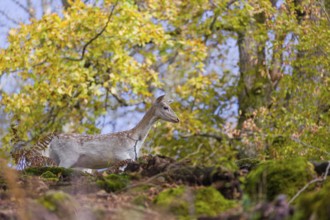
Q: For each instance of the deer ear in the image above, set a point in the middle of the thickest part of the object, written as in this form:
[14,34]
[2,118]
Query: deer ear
[160,98]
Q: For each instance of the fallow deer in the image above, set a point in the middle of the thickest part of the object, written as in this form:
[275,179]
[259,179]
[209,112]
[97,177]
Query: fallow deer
[99,151]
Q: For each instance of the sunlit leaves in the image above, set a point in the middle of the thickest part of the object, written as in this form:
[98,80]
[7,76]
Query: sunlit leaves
[54,86]
[170,45]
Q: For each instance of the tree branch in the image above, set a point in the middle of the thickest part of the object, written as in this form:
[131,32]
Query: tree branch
[211,27]
[207,135]
[27,10]
[8,17]
[324,10]
[21,69]
[122,101]
[95,37]
[298,141]
[320,179]
[229,3]
[32,11]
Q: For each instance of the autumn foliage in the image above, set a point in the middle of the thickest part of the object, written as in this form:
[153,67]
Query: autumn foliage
[248,78]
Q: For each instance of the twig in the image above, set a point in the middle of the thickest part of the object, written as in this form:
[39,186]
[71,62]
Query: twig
[193,153]
[207,135]
[24,68]
[95,37]
[320,179]
[169,61]
[119,99]
[228,3]
[324,10]
[122,101]
[8,17]
[166,172]
[23,7]
[147,182]
[309,146]
[211,27]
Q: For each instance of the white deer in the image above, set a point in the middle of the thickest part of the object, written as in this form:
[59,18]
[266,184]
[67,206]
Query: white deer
[99,151]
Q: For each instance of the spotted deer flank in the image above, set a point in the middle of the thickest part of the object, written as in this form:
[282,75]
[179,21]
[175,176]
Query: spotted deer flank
[99,151]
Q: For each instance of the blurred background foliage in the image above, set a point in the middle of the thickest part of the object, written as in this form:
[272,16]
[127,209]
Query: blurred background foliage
[248,78]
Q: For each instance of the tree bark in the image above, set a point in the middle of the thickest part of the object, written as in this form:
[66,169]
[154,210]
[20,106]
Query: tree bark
[31,9]
[254,84]
[65,4]
[46,7]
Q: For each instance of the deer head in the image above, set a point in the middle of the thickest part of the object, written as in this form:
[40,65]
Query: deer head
[164,111]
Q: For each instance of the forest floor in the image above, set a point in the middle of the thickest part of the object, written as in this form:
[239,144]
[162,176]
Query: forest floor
[155,187]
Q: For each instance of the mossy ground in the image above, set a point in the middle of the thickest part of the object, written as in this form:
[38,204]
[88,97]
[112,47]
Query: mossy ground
[187,202]
[248,163]
[49,176]
[113,182]
[314,205]
[63,193]
[65,172]
[58,202]
[274,177]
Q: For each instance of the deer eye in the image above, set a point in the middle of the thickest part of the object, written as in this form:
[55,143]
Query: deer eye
[165,108]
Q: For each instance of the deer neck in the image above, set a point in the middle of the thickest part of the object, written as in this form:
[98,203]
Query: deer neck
[141,130]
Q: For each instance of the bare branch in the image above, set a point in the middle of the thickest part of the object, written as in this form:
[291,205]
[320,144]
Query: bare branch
[31,10]
[26,9]
[207,135]
[320,179]
[66,4]
[95,37]
[169,61]
[9,18]
[297,140]
[21,69]
[193,153]
[324,10]
[211,27]
[46,7]
[122,101]
[119,99]
[228,3]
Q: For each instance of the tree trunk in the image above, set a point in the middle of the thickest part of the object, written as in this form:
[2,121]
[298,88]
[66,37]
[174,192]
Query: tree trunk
[65,4]
[31,9]
[254,84]
[46,7]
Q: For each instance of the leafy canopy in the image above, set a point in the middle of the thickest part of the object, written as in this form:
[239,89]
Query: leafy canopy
[180,47]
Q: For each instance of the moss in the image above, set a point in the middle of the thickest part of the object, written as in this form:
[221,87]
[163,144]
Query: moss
[245,166]
[206,201]
[248,163]
[314,205]
[141,200]
[173,200]
[274,177]
[113,182]
[37,171]
[49,176]
[52,199]
[58,202]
